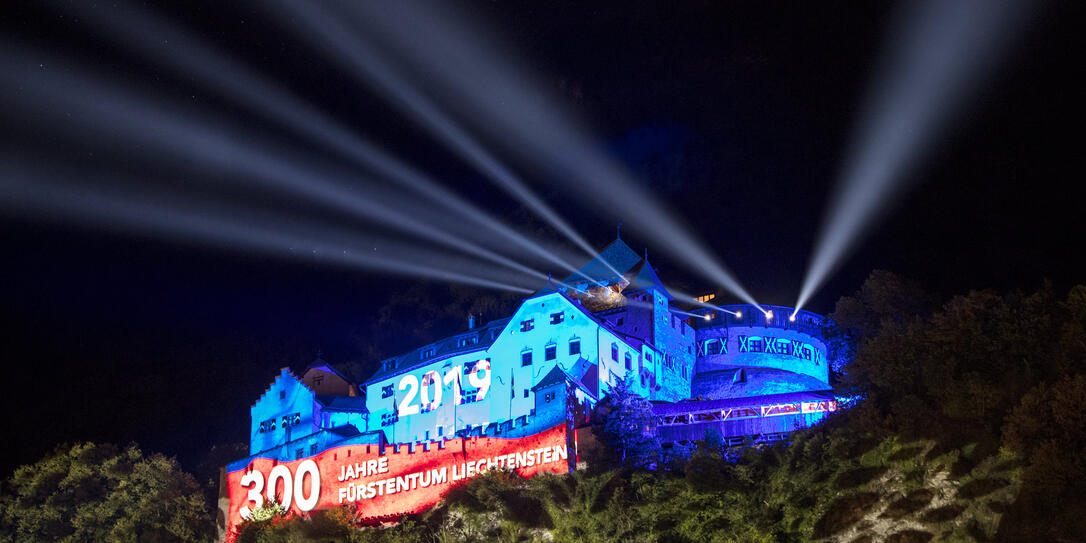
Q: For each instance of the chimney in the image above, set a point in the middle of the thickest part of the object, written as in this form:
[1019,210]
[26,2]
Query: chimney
[471,321]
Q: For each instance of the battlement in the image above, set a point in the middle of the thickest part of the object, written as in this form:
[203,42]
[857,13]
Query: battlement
[750,316]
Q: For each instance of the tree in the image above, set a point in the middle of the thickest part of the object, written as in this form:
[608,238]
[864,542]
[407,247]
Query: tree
[89,492]
[1049,428]
[964,367]
[625,426]
[884,300]
[704,471]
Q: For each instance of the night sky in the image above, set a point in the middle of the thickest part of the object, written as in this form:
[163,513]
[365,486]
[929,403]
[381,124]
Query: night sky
[736,115]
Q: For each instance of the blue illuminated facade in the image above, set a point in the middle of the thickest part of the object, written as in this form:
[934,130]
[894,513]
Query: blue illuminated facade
[301,416]
[563,349]
[760,374]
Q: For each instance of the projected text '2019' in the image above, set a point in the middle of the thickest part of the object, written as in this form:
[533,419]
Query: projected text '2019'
[430,389]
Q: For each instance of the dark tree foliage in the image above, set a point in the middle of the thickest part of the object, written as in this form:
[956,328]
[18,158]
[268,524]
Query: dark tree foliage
[338,524]
[884,300]
[986,368]
[89,492]
[1049,427]
[625,427]
[965,366]
[704,471]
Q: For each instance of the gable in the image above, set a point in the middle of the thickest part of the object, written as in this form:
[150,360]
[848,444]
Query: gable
[283,411]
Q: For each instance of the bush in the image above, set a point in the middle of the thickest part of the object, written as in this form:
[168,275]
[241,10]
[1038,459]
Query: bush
[89,492]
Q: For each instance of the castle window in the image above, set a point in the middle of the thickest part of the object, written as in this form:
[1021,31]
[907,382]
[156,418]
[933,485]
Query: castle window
[298,454]
[467,340]
[427,353]
[557,317]
[619,321]
[551,352]
[525,393]
[313,449]
[574,346]
[282,394]
[629,361]
[526,358]
[548,397]
[712,346]
[614,352]
[387,392]
[526,325]
[318,380]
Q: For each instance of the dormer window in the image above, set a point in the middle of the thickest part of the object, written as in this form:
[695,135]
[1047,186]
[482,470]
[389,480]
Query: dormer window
[526,325]
[427,353]
[466,341]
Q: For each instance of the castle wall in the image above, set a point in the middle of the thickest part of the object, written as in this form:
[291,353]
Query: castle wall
[674,339]
[385,482]
[726,347]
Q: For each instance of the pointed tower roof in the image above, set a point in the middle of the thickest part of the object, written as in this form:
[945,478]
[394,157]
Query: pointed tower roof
[646,278]
[617,255]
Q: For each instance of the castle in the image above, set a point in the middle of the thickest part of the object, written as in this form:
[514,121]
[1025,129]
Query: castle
[745,372]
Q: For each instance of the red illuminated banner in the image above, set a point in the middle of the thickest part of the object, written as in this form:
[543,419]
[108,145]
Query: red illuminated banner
[388,484]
